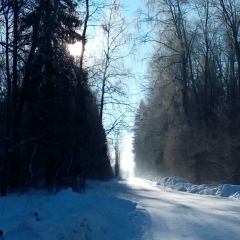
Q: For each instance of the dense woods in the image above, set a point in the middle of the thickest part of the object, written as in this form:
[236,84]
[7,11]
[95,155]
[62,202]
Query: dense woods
[50,128]
[56,110]
[188,124]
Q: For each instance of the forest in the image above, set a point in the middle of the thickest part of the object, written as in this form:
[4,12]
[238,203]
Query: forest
[62,116]
[51,122]
[188,123]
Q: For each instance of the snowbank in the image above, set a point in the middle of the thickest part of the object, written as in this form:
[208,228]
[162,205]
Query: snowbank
[181,184]
[68,215]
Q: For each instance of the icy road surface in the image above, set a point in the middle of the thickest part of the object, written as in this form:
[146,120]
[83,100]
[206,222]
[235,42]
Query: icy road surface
[175,215]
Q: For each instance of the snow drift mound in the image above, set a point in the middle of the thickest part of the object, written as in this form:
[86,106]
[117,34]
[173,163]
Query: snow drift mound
[181,184]
[68,215]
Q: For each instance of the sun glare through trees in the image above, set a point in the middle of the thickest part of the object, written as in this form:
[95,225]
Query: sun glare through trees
[75,49]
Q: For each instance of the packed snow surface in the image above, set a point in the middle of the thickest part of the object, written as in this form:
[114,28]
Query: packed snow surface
[132,209]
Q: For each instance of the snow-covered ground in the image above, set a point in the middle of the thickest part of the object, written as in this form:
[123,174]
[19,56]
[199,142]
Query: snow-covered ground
[67,215]
[180,184]
[177,215]
[132,209]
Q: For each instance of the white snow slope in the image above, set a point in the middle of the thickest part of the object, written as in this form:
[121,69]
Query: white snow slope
[133,209]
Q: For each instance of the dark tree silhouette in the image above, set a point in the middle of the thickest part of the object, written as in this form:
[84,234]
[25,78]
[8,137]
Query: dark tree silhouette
[51,116]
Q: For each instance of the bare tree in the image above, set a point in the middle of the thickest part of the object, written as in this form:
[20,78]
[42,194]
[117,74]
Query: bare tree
[193,72]
[110,75]
[230,10]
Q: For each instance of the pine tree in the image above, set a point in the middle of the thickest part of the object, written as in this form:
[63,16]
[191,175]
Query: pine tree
[53,104]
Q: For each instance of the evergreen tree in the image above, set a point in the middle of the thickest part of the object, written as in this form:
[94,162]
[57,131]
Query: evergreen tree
[50,131]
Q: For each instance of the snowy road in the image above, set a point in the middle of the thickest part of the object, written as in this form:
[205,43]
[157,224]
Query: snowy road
[177,215]
[133,209]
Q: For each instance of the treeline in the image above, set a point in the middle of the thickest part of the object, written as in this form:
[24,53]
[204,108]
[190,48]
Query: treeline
[50,129]
[188,124]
